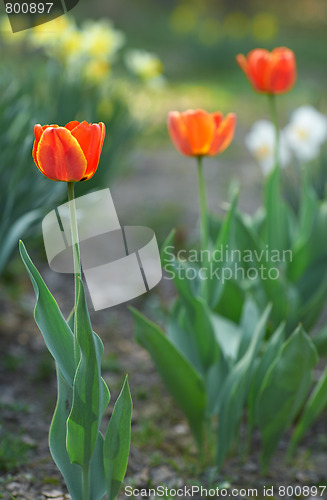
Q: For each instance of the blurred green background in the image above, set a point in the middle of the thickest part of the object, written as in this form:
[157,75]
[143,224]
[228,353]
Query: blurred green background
[197,40]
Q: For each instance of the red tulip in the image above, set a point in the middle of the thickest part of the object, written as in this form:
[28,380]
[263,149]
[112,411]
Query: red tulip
[70,153]
[269,72]
[198,133]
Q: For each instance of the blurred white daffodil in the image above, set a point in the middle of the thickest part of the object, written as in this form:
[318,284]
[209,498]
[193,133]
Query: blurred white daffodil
[306,132]
[260,141]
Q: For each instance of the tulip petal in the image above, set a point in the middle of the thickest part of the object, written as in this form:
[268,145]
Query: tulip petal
[218,118]
[90,138]
[59,156]
[243,64]
[38,131]
[178,133]
[71,125]
[259,60]
[281,75]
[224,135]
[200,128]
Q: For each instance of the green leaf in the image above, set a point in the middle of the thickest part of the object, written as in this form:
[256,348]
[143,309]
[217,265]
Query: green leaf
[313,303]
[177,332]
[72,473]
[215,381]
[285,298]
[235,391]
[167,244]
[245,237]
[180,334]
[284,390]
[231,301]
[184,384]
[224,233]
[276,218]
[56,333]
[197,322]
[57,439]
[84,419]
[216,286]
[270,354]
[199,325]
[313,408]
[104,390]
[228,335]
[320,342]
[15,231]
[249,320]
[117,442]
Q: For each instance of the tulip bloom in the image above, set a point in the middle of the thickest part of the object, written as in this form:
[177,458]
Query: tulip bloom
[269,72]
[198,133]
[70,153]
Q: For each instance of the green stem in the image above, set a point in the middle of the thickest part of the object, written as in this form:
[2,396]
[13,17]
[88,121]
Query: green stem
[75,241]
[274,117]
[204,225]
[86,482]
[203,206]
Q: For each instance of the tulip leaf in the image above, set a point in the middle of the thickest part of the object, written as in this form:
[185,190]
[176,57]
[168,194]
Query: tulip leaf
[72,473]
[188,288]
[228,335]
[235,391]
[184,384]
[14,232]
[104,390]
[179,335]
[313,408]
[284,390]
[269,356]
[216,285]
[199,325]
[276,216]
[56,333]
[57,439]
[196,320]
[117,442]
[168,243]
[231,302]
[249,320]
[83,421]
[320,342]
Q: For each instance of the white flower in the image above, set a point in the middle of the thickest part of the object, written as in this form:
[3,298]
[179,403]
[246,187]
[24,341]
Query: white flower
[260,141]
[306,132]
[145,65]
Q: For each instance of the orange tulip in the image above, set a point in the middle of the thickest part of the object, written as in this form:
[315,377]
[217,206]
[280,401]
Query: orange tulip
[70,153]
[269,72]
[198,133]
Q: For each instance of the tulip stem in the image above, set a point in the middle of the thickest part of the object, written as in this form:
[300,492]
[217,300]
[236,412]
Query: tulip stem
[274,117]
[75,240]
[86,482]
[203,206]
[204,222]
